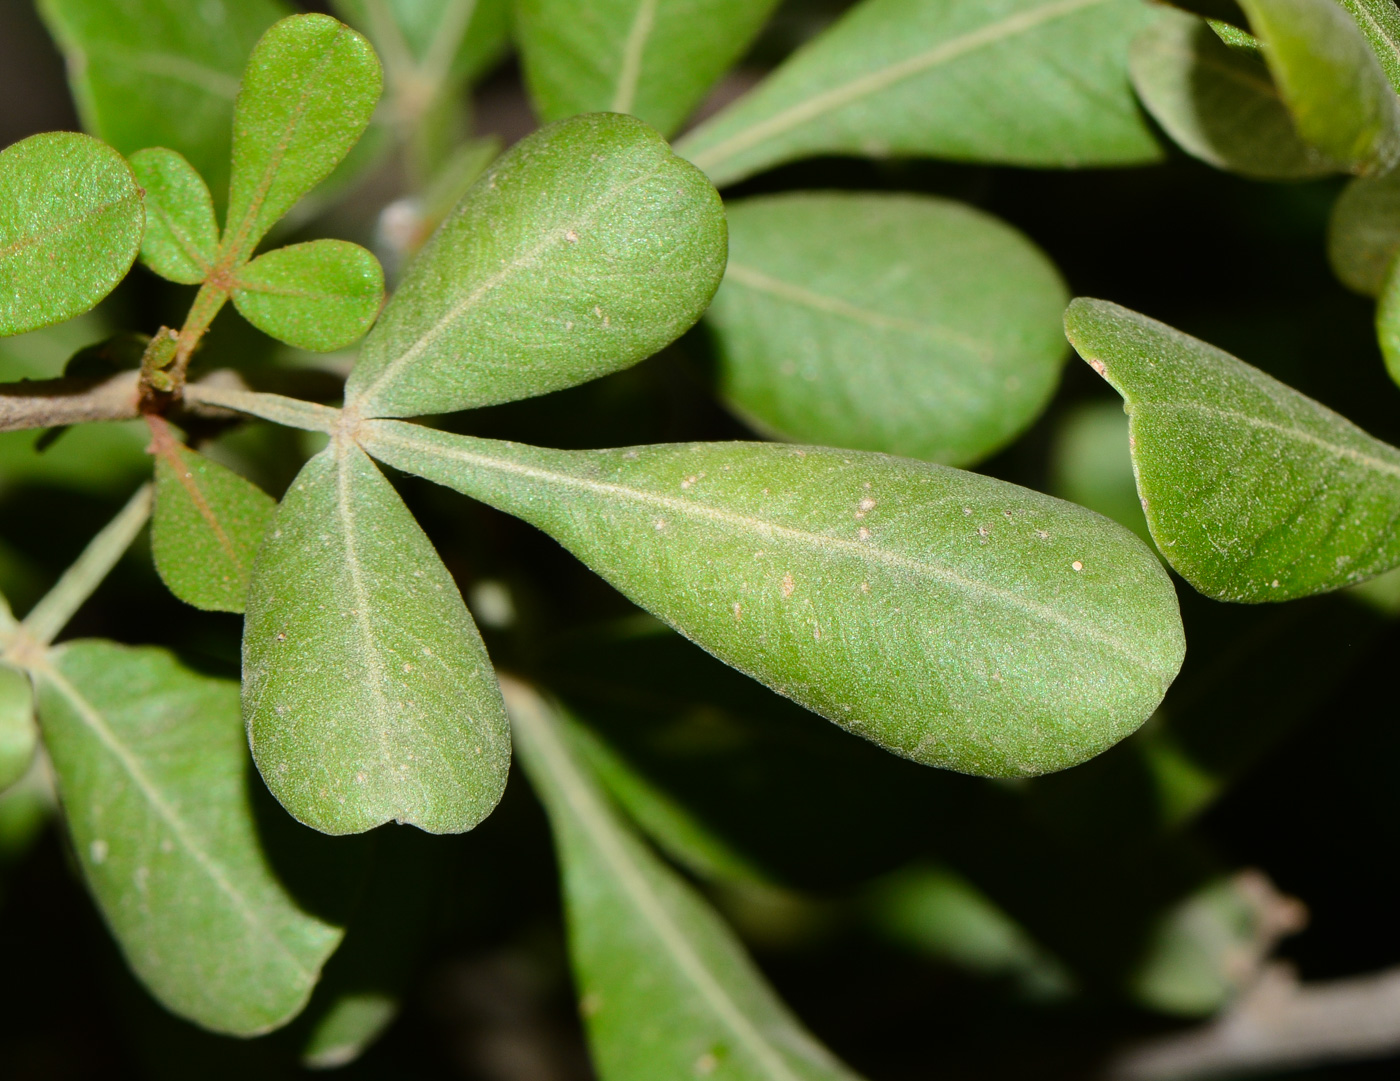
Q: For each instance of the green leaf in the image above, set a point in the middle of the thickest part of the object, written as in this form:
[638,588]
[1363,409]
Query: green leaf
[182,236]
[1090,464]
[152,767]
[19,737]
[921,607]
[584,249]
[1022,82]
[1219,104]
[1253,492]
[1388,323]
[161,72]
[320,296]
[70,228]
[1379,20]
[1341,101]
[455,40]
[1363,235]
[307,95]
[665,988]
[904,324]
[207,525]
[653,60]
[367,690]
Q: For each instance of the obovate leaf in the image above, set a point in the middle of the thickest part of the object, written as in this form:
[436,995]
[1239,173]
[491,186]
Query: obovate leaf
[1219,104]
[665,988]
[207,525]
[153,772]
[905,324]
[1363,235]
[951,618]
[584,249]
[182,235]
[307,95]
[70,227]
[367,690]
[1379,20]
[320,296]
[1020,82]
[1253,492]
[161,72]
[653,60]
[1341,101]
[19,737]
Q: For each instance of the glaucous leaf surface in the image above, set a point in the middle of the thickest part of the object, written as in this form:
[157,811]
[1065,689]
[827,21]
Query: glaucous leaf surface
[182,235]
[367,691]
[309,90]
[653,60]
[1363,235]
[1341,101]
[1253,492]
[161,72]
[1219,104]
[665,988]
[320,296]
[905,324]
[153,772]
[70,227]
[1380,22]
[476,30]
[19,737]
[206,527]
[951,618]
[585,248]
[1017,82]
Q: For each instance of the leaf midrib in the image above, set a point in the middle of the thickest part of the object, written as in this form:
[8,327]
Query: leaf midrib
[630,71]
[68,224]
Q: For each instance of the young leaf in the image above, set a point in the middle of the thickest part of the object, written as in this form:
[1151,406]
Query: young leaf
[70,227]
[904,324]
[320,296]
[182,236]
[1252,491]
[1024,82]
[308,93]
[207,525]
[1219,104]
[152,768]
[1363,235]
[584,249]
[1380,22]
[957,620]
[653,60]
[367,690]
[18,734]
[665,988]
[1341,101]
[161,72]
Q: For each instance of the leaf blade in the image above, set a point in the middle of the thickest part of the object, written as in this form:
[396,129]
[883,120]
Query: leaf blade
[182,235]
[321,295]
[1363,232]
[367,691]
[19,736]
[781,563]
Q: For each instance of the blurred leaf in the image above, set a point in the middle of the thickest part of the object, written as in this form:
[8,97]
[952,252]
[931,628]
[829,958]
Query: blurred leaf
[207,525]
[584,249]
[1253,492]
[1090,464]
[367,691]
[1388,323]
[19,736]
[321,295]
[942,915]
[182,236]
[1219,104]
[93,458]
[70,228]
[941,78]
[904,324]
[1363,235]
[673,828]
[161,72]
[25,808]
[1341,101]
[653,60]
[665,988]
[957,620]
[1379,20]
[307,95]
[152,768]
[1224,10]
[452,39]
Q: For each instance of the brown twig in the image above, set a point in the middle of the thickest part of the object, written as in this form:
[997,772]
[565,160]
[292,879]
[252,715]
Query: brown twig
[49,403]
